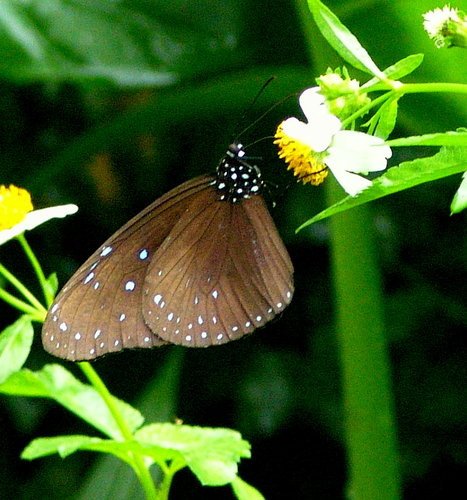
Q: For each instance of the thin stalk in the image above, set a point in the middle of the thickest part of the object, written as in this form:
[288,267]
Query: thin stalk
[21,288]
[21,306]
[37,268]
[139,465]
[369,423]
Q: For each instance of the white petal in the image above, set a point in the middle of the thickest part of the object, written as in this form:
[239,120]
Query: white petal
[36,218]
[309,100]
[353,184]
[320,119]
[358,152]
[317,138]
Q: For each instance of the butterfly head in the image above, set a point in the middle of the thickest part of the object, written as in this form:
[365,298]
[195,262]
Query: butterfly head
[236,179]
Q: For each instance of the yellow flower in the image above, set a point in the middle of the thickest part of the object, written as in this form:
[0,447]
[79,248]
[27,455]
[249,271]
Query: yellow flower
[319,145]
[15,203]
[307,167]
[17,214]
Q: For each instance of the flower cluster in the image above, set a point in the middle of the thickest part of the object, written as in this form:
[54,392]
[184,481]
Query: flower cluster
[319,145]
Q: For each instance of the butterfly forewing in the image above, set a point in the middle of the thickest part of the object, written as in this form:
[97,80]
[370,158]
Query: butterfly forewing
[219,274]
[99,309]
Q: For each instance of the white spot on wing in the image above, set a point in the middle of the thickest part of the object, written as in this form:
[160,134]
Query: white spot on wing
[88,278]
[106,251]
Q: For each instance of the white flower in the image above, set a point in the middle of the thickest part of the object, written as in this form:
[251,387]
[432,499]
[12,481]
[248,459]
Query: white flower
[36,218]
[447,27]
[313,147]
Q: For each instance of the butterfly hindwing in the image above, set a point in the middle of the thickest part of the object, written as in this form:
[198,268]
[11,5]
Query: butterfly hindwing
[219,274]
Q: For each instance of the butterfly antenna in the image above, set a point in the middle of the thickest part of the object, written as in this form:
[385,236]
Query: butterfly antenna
[274,106]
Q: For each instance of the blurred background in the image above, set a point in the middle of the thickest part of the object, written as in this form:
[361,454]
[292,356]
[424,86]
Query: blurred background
[109,104]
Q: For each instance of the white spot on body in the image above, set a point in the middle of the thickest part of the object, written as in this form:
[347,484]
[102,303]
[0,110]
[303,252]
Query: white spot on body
[78,336]
[200,320]
[63,327]
[188,338]
[214,319]
[92,351]
[130,286]
[259,318]
[96,285]
[170,316]
[146,339]
[116,343]
[215,294]
[97,334]
[204,335]
[234,328]
[219,336]
[157,298]
[247,324]
[196,301]
[143,254]
[279,305]
[190,326]
[122,317]
[289,295]
[54,308]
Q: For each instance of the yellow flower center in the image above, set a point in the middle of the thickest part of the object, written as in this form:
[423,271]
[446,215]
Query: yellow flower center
[15,203]
[305,163]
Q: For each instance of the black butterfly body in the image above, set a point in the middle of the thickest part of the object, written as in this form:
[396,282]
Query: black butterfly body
[200,266]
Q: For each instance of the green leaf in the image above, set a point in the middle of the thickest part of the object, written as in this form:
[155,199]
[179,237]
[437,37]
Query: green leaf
[451,138]
[66,445]
[15,345]
[342,40]
[244,491]
[448,161]
[396,71]
[386,118]
[212,454]
[62,445]
[459,202]
[52,285]
[57,383]
[123,43]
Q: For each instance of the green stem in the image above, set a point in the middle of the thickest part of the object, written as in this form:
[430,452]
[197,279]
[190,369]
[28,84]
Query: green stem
[139,465]
[369,424]
[22,289]
[37,268]
[22,306]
